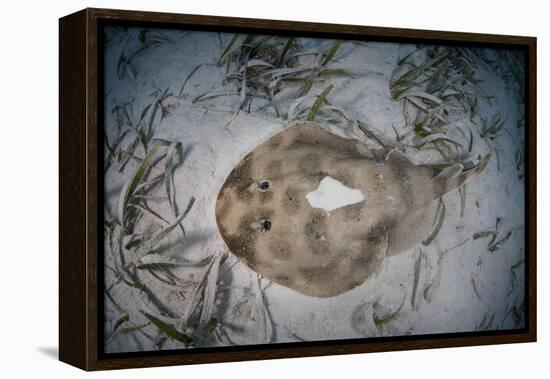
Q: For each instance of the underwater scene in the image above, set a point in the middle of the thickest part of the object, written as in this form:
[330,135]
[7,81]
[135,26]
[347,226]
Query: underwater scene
[263,189]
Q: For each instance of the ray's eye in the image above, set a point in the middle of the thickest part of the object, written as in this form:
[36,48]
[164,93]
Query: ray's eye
[264,185]
[263,225]
[266,224]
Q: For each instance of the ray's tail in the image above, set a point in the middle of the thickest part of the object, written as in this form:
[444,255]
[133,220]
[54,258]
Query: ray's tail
[454,176]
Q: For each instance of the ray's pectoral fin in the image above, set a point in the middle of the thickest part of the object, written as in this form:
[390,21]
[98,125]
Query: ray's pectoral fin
[411,229]
[377,154]
[398,158]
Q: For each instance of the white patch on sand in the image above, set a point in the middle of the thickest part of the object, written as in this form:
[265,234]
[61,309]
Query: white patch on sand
[332,195]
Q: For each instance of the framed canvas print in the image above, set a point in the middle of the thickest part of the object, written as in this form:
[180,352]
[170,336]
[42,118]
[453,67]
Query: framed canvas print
[235,189]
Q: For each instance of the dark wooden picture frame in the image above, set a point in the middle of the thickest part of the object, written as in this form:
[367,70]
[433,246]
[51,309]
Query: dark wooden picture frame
[80,196]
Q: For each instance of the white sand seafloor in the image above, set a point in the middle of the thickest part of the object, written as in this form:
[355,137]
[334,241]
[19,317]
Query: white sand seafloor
[454,284]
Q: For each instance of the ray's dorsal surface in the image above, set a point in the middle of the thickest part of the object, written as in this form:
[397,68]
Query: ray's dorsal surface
[268,216]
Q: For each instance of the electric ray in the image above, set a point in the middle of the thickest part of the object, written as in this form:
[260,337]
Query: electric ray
[265,214]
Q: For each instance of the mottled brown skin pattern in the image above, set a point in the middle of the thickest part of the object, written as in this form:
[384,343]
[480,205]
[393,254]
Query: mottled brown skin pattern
[273,229]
